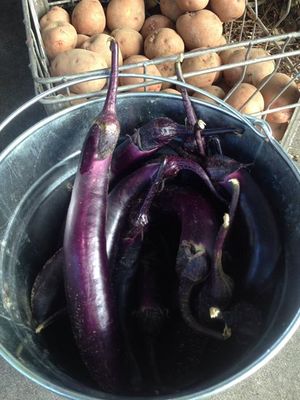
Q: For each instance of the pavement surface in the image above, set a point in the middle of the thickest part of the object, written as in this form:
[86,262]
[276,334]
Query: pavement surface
[277,380]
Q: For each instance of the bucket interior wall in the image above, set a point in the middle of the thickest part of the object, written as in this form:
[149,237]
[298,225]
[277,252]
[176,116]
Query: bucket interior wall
[37,172]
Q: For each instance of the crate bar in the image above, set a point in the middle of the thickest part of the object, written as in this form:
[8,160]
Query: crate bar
[98,74]
[273,110]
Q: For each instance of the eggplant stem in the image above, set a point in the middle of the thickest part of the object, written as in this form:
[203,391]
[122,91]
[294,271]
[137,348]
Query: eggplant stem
[110,101]
[227,222]
[51,320]
[191,115]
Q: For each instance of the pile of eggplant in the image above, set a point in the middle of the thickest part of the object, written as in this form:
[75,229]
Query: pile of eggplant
[148,274]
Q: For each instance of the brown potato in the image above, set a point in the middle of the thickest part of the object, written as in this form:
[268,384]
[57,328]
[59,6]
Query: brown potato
[163,42]
[214,90]
[254,73]
[198,63]
[81,39]
[171,91]
[166,70]
[88,17]
[191,5]
[55,14]
[199,29]
[77,61]
[100,43]
[125,14]
[58,37]
[77,101]
[228,10]
[242,94]
[130,41]
[150,70]
[221,42]
[226,54]
[290,95]
[170,9]
[155,22]
[278,130]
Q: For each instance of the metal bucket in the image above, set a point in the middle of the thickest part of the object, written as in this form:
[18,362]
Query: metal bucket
[35,174]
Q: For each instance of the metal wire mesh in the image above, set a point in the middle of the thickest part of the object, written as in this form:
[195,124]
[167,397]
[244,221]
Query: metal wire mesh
[263,25]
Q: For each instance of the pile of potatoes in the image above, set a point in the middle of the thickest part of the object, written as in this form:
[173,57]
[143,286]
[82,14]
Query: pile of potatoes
[77,42]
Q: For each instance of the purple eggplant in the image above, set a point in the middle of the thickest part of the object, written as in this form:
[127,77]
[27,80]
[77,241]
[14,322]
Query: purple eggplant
[143,144]
[150,315]
[197,124]
[88,281]
[216,293]
[264,242]
[47,294]
[199,224]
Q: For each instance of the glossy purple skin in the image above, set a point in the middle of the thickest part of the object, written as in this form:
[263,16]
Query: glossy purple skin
[264,241]
[88,283]
[199,227]
[145,142]
[198,219]
[122,194]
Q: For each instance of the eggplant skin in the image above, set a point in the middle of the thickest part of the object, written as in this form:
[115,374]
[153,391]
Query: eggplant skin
[47,294]
[88,281]
[264,240]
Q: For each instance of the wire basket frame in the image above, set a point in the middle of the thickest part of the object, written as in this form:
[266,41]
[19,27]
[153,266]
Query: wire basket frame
[251,30]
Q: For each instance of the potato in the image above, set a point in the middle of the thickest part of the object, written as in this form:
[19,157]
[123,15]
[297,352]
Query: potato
[191,5]
[199,29]
[171,91]
[214,90]
[170,9]
[166,70]
[130,41]
[228,10]
[100,43]
[77,101]
[254,73]
[55,14]
[242,94]
[291,95]
[58,37]
[150,70]
[88,17]
[221,42]
[278,130]
[163,42]
[125,14]
[201,62]
[155,22]
[226,54]
[81,39]
[77,61]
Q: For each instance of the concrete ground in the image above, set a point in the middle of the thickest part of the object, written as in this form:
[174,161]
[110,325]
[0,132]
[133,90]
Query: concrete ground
[278,380]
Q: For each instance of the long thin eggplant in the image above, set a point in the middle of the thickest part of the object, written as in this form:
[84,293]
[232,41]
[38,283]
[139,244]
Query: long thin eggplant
[216,293]
[197,124]
[199,228]
[47,294]
[264,242]
[150,315]
[88,282]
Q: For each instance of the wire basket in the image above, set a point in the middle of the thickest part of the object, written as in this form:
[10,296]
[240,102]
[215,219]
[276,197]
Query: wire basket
[271,25]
